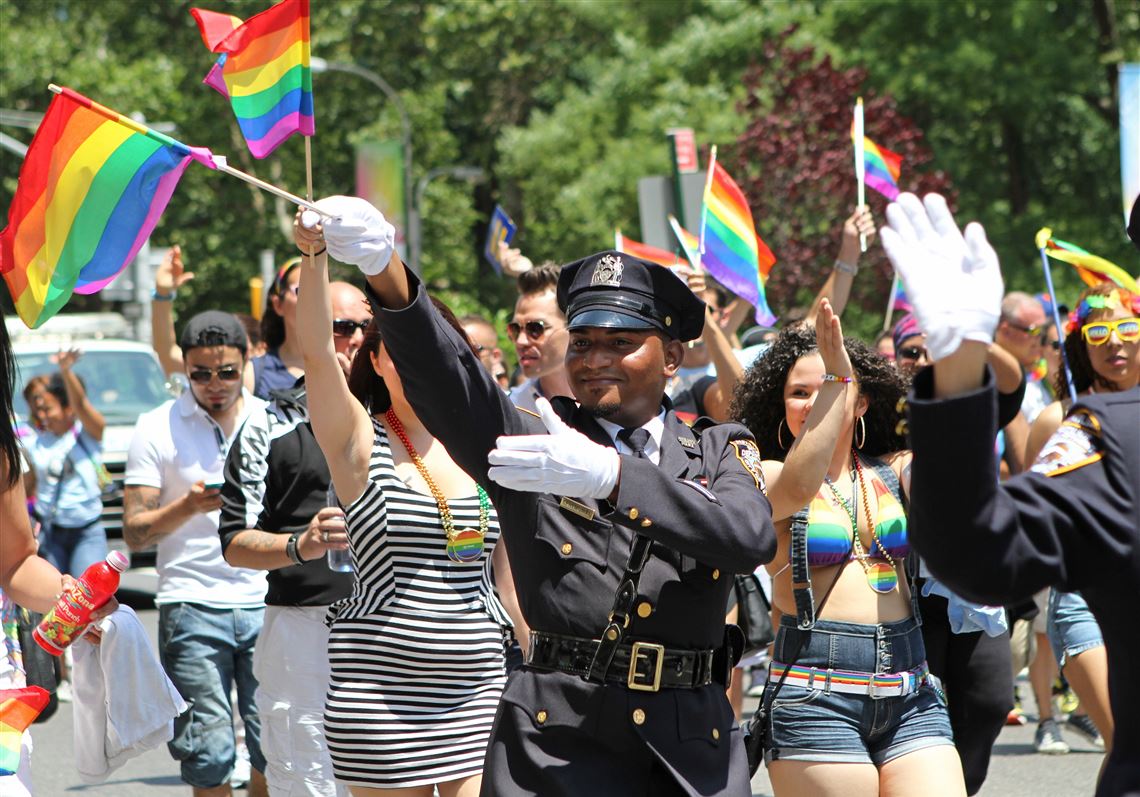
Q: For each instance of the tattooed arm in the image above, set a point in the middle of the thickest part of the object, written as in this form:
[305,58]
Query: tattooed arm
[265,550]
[145,522]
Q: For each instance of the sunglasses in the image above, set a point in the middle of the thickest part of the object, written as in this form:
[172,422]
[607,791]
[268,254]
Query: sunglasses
[1098,332]
[1032,331]
[911,352]
[345,328]
[203,376]
[534,329]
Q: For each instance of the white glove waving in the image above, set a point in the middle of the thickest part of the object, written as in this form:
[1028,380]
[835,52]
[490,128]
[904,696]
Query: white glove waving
[953,282]
[564,462]
[357,233]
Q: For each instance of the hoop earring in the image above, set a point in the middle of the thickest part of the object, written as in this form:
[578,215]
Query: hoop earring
[861,427]
[780,435]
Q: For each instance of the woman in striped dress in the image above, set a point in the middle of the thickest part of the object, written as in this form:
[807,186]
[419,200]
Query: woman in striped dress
[416,652]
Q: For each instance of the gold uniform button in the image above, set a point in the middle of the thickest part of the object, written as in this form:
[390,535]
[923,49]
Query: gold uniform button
[646,523]
[638,717]
[644,609]
[716,733]
[611,635]
[668,320]
[541,717]
[567,548]
[716,575]
[633,513]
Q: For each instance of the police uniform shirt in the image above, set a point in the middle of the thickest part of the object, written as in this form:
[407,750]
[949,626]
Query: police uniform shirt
[1072,521]
[655,427]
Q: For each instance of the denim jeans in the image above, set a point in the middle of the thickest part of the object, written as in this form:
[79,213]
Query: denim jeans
[205,651]
[819,725]
[1072,627]
[73,550]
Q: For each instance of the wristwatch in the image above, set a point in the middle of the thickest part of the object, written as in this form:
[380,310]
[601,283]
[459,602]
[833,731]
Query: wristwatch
[291,548]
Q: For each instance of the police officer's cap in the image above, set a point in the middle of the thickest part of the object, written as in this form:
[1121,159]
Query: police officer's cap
[615,290]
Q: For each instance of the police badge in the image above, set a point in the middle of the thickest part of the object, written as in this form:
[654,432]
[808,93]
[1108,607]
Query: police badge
[749,456]
[607,272]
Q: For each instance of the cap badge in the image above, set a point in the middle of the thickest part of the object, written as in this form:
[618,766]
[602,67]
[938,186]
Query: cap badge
[607,272]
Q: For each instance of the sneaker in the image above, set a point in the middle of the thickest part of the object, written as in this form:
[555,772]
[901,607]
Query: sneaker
[1083,724]
[63,691]
[240,777]
[1048,739]
[1065,701]
[1015,716]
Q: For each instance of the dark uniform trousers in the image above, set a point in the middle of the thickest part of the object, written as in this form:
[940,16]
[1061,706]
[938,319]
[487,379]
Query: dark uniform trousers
[1073,522]
[704,510]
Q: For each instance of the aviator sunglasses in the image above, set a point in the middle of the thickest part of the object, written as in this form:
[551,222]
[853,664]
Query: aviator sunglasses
[534,329]
[1098,332]
[346,328]
[203,376]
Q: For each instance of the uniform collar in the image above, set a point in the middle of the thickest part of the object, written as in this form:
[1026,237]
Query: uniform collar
[655,427]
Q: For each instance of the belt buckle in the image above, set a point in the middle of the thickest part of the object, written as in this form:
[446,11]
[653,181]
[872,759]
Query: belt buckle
[873,689]
[644,649]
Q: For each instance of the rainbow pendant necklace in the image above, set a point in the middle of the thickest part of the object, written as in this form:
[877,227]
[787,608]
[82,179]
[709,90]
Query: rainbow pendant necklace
[882,577]
[465,545]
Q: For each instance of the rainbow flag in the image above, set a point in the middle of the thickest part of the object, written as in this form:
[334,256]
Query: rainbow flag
[18,709]
[733,253]
[652,254]
[690,244]
[263,70]
[882,169]
[91,190]
[899,300]
[1091,268]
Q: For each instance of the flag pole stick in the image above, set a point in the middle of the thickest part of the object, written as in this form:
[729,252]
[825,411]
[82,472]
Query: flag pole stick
[309,185]
[861,167]
[705,204]
[1056,314]
[217,161]
[894,291]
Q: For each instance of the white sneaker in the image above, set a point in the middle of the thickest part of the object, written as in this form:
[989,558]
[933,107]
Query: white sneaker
[63,691]
[240,777]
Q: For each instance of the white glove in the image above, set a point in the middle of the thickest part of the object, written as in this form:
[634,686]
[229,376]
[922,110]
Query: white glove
[357,233]
[953,283]
[565,462]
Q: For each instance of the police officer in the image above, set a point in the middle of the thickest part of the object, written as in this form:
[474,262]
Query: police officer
[1071,521]
[623,526]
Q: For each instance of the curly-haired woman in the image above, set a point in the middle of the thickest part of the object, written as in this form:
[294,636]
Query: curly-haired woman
[1102,350]
[857,712]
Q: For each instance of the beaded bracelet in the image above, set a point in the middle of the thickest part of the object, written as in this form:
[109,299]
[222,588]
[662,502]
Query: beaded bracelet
[834,378]
[162,297]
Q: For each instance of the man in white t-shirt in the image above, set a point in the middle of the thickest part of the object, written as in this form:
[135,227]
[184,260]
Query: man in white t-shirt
[209,612]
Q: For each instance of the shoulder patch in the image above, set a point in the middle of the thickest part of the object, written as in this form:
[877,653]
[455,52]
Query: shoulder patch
[749,456]
[1075,444]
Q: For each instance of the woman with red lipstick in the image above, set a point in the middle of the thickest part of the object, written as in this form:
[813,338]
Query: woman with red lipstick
[1102,348]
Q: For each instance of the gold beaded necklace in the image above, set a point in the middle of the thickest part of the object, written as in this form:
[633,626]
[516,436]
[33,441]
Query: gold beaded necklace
[881,577]
[465,545]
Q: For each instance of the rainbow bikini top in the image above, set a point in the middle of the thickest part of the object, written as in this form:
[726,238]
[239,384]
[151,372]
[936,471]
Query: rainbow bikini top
[829,526]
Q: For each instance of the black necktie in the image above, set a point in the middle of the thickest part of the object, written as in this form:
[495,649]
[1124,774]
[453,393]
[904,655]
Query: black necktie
[636,439]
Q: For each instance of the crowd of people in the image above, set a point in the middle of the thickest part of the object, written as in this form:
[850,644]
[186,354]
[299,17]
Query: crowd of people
[538,593]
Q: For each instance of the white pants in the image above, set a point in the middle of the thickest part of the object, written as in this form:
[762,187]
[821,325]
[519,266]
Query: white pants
[291,663]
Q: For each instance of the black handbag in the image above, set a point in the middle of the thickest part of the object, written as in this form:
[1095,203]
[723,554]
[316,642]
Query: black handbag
[39,665]
[753,613]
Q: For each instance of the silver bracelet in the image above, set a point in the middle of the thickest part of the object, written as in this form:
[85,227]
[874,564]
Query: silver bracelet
[846,268]
[291,548]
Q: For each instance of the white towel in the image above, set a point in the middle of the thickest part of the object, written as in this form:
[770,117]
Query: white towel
[124,703]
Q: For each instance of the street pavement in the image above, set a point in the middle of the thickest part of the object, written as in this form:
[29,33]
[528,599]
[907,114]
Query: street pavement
[1016,770]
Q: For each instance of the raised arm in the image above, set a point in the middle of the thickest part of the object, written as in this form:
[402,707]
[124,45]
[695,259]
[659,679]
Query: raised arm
[728,369]
[340,423]
[92,420]
[837,288]
[167,280]
[793,484]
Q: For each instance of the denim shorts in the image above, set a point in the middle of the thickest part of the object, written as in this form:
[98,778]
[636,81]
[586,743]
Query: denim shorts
[817,725]
[1072,627]
[205,651]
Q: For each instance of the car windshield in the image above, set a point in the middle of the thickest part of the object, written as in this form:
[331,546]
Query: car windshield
[121,384]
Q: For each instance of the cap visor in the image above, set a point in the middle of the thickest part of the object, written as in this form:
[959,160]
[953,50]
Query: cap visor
[609,319]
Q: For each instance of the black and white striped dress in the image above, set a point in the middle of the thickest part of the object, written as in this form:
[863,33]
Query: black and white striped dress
[417,658]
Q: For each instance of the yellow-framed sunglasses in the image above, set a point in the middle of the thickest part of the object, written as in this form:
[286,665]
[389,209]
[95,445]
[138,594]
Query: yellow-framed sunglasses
[1097,333]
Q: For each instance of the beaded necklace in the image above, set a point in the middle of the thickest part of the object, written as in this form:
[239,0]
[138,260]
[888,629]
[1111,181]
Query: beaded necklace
[881,577]
[465,545]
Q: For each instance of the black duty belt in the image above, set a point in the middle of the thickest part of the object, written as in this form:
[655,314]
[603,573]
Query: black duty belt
[645,666]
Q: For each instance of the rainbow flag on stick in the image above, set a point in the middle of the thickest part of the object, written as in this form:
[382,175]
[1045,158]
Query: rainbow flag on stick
[875,166]
[653,254]
[18,709]
[690,244]
[730,249]
[91,190]
[263,70]
[1091,268]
